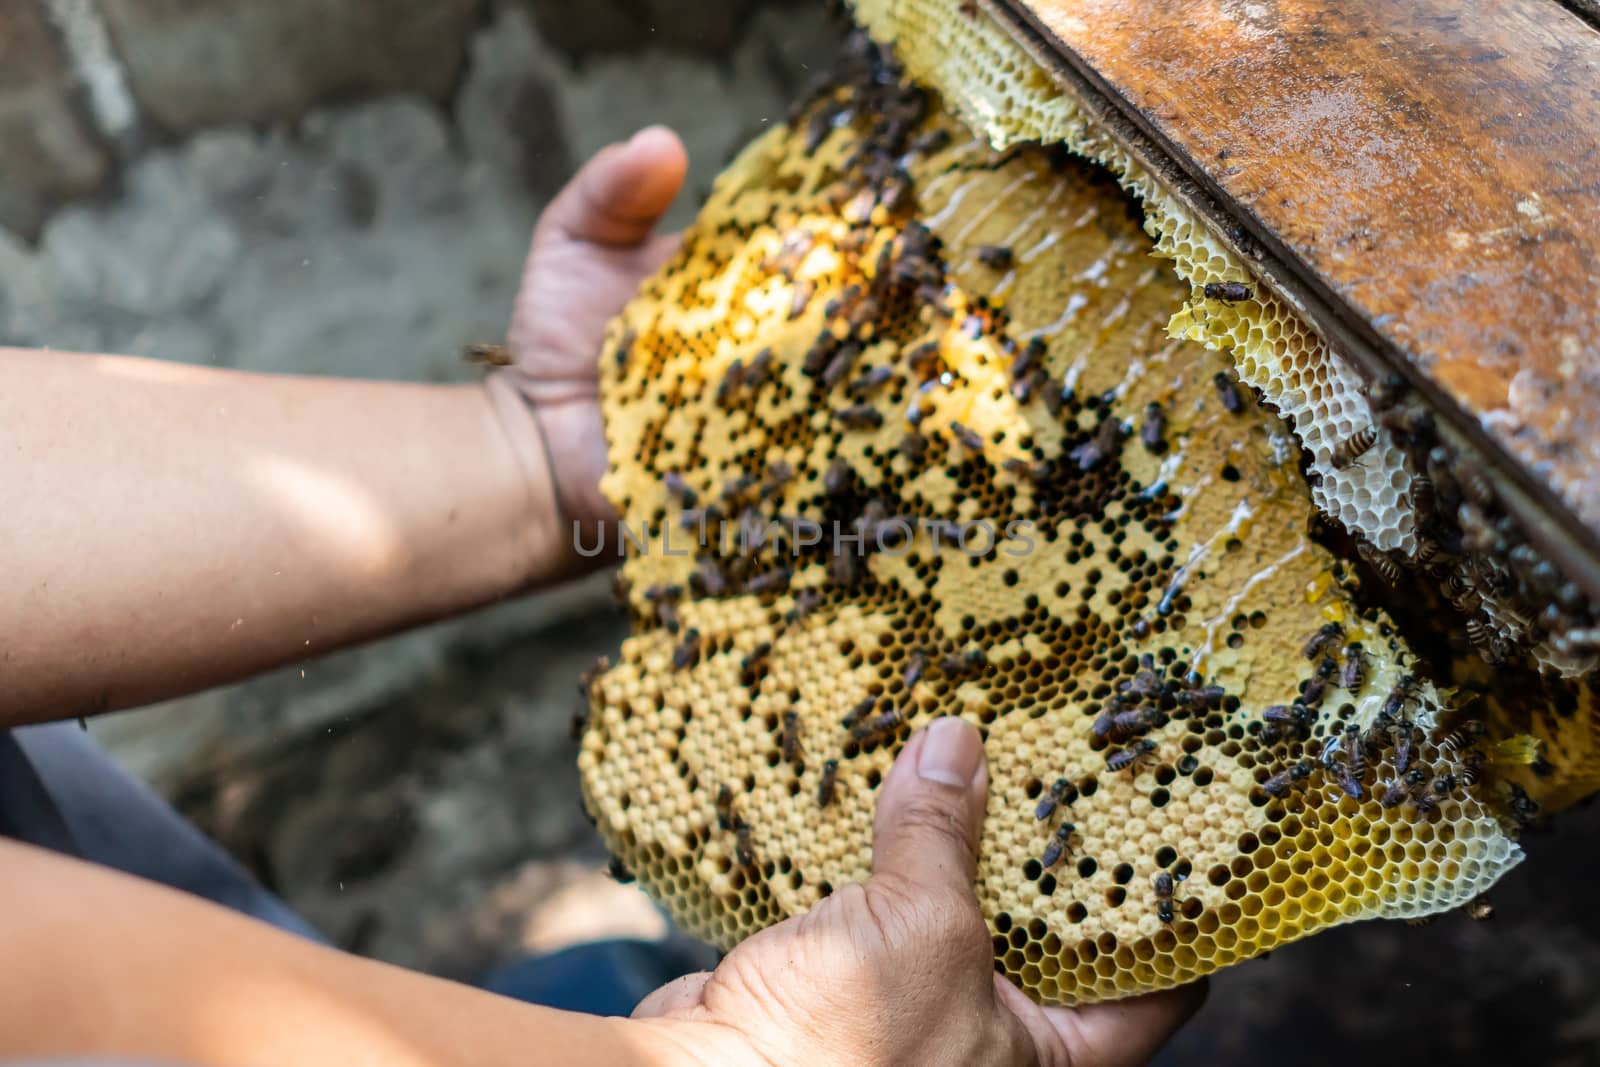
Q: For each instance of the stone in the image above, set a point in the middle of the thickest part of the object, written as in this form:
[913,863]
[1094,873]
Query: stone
[507,110]
[50,153]
[705,26]
[198,62]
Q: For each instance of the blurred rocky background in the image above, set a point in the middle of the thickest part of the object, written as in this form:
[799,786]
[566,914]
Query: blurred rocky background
[347,187]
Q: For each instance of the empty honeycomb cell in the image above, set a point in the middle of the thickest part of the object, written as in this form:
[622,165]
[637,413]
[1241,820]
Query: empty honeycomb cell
[732,753]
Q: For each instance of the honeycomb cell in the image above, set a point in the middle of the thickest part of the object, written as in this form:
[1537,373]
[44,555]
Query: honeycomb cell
[808,410]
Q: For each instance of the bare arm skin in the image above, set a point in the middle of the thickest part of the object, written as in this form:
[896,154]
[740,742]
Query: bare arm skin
[166,528]
[102,964]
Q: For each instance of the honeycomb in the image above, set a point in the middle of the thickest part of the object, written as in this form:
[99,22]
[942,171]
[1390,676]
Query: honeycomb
[901,433]
[1004,94]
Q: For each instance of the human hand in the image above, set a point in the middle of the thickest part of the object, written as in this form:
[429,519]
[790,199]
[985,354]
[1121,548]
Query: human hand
[900,970]
[593,246]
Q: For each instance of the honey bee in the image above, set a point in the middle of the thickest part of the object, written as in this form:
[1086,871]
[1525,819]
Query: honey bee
[1022,389]
[996,257]
[735,488]
[1424,499]
[1475,482]
[779,474]
[964,664]
[1484,639]
[1401,695]
[924,358]
[708,578]
[859,417]
[1136,721]
[1464,736]
[756,375]
[625,349]
[1278,785]
[757,656]
[1480,910]
[1062,792]
[1132,758]
[1354,751]
[1380,561]
[844,568]
[791,736]
[805,602]
[840,365]
[1227,292]
[732,379]
[1312,695]
[1386,392]
[675,485]
[1027,360]
[932,142]
[804,290]
[1394,795]
[1162,883]
[724,807]
[871,381]
[1353,676]
[969,439]
[827,783]
[1146,683]
[1106,443]
[1405,732]
[587,679]
[1286,718]
[915,669]
[817,356]
[488,355]
[1354,447]
[771,581]
[879,727]
[1322,640]
[1209,696]
[687,654]
[836,480]
[914,446]
[1228,392]
[1524,809]
[744,847]
[1153,434]
[1055,397]
[1349,781]
[1061,844]
[1025,471]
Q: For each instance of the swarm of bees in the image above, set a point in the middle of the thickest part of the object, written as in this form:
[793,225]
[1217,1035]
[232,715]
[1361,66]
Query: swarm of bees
[905,363]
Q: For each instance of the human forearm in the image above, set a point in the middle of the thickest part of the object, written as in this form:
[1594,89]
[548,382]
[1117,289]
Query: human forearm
[166,528]
[99,963]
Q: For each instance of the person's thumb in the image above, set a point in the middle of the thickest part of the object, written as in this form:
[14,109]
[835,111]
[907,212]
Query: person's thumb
[930,811]
[620,194]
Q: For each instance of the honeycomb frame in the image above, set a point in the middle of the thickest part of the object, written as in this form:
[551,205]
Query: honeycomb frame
[875,256]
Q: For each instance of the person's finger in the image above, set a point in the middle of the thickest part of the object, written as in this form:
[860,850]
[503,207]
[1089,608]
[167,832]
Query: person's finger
[620,194]
[930,811]
[678,995]
[1124,1033]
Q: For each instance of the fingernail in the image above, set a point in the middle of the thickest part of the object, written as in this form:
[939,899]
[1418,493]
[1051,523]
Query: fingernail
[950,753]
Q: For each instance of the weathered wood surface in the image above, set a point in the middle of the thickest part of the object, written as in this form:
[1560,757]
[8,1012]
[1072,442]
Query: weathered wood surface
[1429,171]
